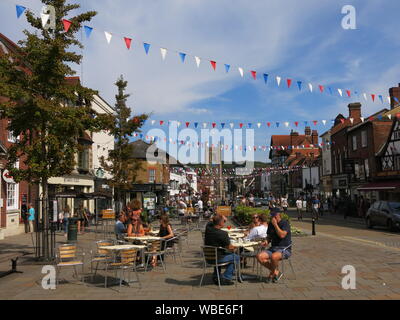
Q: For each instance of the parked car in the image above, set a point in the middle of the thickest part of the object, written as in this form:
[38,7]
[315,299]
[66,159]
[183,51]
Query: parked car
[384,213]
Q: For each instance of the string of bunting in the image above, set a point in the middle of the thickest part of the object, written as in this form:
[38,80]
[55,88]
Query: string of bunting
[254,74]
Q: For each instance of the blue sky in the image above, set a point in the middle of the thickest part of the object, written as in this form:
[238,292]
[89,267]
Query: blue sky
[301,40]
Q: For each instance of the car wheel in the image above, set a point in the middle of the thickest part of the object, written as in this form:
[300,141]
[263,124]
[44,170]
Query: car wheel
[390,225]
[369,224]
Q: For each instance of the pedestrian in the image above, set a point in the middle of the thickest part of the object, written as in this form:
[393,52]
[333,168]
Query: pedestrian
[31,218]
[284,204]
[24,216]
[315,207]
[299,206]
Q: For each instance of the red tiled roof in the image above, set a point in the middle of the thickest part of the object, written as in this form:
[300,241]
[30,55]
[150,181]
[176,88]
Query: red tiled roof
[343,125]
[284,140]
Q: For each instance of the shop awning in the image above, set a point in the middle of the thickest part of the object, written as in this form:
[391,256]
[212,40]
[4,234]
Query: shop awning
[383,185]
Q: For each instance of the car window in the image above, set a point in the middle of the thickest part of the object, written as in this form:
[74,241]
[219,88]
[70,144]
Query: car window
[395,206]
[384,206]
[375,206]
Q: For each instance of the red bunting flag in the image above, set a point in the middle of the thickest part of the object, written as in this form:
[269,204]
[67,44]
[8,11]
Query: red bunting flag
[342,120]
[66,24]
[373,97]
[315,122]
[254,74]
[296,123]
[161,123]
[268,124]
[398,116]
[213,64]
[321,88]
[289,82]
[241,125]
[371,118]
[348,93]
[187,124]
[214,124]
[128,42]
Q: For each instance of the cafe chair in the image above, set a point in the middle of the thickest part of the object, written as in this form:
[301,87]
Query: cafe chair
[67,256]
[210,259]
[155,249]
[290,262]
[101,255]
[171,248]
[126,260]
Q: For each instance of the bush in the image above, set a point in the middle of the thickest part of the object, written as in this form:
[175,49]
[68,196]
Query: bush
[245,214]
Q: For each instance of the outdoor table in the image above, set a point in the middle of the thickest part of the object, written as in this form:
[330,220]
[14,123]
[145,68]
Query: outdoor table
[117,248]
[143,238]
[236,235]
[248,245]
[232,230]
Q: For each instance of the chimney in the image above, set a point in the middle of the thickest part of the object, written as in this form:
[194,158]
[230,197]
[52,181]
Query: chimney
[394,93]
[292,135]
[314,137]
[355,110]
[307,131]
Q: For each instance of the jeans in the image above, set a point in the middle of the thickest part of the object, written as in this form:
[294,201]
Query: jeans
[230,270]
[65,223]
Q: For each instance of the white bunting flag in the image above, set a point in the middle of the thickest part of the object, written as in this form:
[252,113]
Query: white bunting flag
[153,122]
[259,125]
[351,120]
[45,18]
[287,124]
[310,86]
[324,122]
[236,147]
[362,119]
[340,92]
[241,72]
[179,124]
[365,96]
[278,81]
[232,125]
[108,36]
[163,53]
[205,125]
[390,116]
[197,61]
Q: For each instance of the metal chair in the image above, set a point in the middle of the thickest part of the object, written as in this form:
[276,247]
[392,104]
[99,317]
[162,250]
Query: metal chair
[127,261]
[156,249]
[174,242]
[67,256]
[101,256]
[210,259]
[253,254]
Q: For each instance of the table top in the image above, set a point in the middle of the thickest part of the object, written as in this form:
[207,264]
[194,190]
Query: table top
[232,230]
[236,235]
[144,238]
[244,244]
[123,247]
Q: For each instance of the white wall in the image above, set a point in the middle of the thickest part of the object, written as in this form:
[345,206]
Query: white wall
[326,155]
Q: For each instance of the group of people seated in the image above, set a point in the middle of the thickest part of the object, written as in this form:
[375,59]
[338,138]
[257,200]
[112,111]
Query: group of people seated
[129,224]
[276,233]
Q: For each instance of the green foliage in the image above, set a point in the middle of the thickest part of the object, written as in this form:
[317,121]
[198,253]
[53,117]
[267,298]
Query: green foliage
[244,214]
[120,164]
[48,112]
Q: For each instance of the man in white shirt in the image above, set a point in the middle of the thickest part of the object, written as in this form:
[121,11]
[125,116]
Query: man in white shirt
[284,204]
[299,206]
[182,208]
[200,205]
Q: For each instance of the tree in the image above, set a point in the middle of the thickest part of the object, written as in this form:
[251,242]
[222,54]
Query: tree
[120,164]
[46,111]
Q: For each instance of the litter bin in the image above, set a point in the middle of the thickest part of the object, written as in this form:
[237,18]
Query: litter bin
[72,229]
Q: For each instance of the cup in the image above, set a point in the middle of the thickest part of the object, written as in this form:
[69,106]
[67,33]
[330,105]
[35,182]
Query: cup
[229,227]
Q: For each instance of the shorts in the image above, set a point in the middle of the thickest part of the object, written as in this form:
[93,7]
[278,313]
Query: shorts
[285,253]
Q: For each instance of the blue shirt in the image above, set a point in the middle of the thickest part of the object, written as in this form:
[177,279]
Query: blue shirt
[31,214]
[119,227]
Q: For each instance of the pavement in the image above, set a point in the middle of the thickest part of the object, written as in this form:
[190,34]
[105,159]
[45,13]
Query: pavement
[317,261]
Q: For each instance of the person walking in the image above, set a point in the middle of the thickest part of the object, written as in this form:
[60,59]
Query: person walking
[299,206]
[31,218]
[24,217]
[66,216]
[284,204]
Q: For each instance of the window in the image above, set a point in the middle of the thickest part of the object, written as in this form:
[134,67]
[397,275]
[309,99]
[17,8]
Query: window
[366,167]
[364,142]
[12,196]
[83,160]
[152,175]
[354,143]
[10,136]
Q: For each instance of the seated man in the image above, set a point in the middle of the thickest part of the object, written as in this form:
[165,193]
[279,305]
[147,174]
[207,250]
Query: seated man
[216,237]
[280,237]
[120,228]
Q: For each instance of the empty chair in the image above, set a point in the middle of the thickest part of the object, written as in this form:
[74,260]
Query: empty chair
[67,256]
[101,255]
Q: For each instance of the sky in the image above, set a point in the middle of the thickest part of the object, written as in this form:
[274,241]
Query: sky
[300,40]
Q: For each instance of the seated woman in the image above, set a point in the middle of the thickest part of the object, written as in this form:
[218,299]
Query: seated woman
[259,227]
[165,233]
[135,227]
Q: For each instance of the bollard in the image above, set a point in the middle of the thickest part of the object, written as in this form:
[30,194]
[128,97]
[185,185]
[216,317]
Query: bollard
[313,226]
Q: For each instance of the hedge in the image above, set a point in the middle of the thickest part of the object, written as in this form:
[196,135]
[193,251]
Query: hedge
[245,214]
